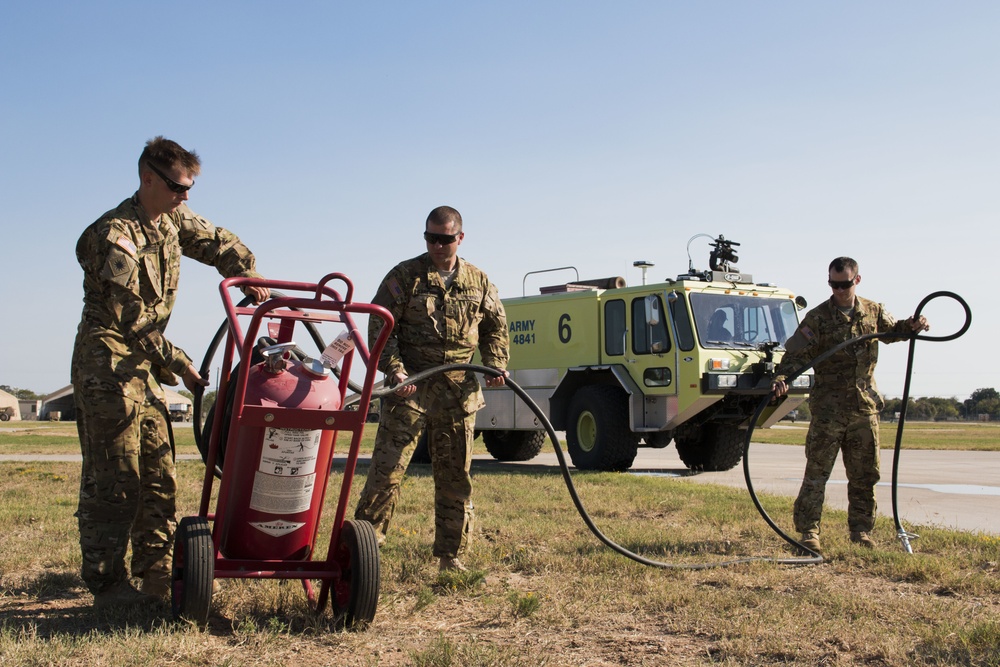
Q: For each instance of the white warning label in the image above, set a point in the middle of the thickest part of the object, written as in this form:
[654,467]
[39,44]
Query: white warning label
[286,473]
[277,528]
[281,495]
[289,451]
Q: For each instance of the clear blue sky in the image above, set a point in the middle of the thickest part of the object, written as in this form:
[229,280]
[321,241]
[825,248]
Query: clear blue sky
[567,133]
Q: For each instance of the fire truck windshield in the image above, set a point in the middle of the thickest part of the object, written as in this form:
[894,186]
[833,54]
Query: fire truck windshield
[729,320]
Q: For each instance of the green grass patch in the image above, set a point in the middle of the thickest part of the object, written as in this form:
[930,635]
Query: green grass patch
[956,436]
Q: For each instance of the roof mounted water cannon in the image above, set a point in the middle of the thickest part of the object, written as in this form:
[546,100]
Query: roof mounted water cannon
[722,255]
[721,261]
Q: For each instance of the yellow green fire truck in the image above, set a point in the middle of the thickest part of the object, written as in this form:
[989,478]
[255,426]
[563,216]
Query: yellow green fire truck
[619,367]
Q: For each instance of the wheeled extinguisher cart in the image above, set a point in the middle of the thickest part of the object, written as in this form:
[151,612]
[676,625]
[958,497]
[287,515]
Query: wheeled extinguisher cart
[278,438]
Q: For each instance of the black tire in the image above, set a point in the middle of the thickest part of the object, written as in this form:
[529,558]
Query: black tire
[355,594]
[712,448]
[4,417]
[422,454]
[513,445]
[193,570]
[597,430]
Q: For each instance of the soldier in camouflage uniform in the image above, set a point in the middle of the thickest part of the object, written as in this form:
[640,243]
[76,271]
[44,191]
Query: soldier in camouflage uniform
[131,261]
[844,402]
[444,308]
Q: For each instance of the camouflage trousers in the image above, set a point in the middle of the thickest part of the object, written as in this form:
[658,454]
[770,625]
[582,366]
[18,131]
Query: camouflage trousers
[128,486]
[856,437]
[450,433]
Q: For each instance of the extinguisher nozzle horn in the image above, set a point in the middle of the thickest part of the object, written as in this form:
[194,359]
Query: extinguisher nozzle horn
[274,355]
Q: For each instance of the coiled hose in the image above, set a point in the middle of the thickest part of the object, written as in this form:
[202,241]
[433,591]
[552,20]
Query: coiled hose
[902,534]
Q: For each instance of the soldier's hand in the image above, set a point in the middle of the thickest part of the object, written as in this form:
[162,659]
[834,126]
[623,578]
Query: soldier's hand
[779,388]
[193,379]
[496,380]
[408,390]
[919,324]
[258,294]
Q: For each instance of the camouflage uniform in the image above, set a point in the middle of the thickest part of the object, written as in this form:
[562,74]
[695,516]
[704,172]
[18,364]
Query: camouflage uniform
[435,325]
[844,404]
[131,267]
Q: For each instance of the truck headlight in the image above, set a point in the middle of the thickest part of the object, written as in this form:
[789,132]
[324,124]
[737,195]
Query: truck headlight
[727,380]
[718,364]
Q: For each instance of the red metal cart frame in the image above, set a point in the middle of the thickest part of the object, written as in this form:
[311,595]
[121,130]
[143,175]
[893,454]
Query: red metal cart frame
[349,573]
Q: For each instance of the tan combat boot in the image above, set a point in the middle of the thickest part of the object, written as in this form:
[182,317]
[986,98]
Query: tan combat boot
[451,564]
[811,541]
[157,583]
[121,594]
[862,538]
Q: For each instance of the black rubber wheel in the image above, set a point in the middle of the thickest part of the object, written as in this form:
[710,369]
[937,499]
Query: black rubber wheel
[712,448]
[422,454]
[355,595]
[193,570]
[4,417]
[513,445]
[597,430]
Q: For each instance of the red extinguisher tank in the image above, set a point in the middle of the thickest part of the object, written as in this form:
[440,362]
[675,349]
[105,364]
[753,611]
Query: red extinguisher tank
[275,478]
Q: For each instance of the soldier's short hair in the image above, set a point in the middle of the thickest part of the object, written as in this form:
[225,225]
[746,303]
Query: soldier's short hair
[844,264]
[442,215]
[165,154]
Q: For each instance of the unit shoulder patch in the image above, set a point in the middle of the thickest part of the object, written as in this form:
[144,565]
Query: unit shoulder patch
[119,266]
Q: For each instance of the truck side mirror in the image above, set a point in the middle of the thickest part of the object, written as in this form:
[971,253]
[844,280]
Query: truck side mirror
[652,310]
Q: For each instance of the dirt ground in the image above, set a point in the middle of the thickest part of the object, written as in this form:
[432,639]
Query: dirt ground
[399,636]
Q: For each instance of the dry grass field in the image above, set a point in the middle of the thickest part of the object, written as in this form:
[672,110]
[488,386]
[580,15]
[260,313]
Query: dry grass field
[541,589]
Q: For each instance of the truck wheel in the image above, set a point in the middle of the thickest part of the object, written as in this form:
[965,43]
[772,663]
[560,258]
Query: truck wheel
[513,445]
[4,417]
[356,593]
[193,570]
[597,430]
[712,448]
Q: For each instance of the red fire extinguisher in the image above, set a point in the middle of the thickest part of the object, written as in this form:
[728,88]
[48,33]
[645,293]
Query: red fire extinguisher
[276,478]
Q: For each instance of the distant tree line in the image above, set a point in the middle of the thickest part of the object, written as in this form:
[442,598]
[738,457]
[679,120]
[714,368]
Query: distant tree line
[23,394]
[984,401]
[930,408]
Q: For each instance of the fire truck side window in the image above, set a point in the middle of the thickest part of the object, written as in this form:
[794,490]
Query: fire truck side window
[647,338]
[614,327]
[682,321]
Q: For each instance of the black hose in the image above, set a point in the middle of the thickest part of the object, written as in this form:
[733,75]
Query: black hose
[914,337]
[901,533]
[564,466]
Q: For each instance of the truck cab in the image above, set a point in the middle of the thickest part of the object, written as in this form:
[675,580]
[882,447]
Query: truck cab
[619,367]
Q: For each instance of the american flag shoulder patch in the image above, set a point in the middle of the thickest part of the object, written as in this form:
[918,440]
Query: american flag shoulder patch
[394,289]
[807,332]
[125,243]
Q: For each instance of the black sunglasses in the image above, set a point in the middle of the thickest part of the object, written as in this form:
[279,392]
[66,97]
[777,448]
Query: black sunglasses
[841,284]
[443,239]
[172,184]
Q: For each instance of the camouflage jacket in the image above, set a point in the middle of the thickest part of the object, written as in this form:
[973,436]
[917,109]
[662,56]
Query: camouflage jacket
[131,267]
[437,325]
[845,381]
